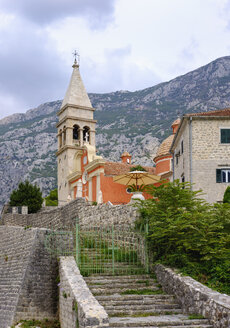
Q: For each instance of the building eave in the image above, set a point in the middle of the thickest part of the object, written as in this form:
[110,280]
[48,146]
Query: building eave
[94,164]
[219,117]
[74,176]
[68,147]
[184,117]
[161,157]
[74,106]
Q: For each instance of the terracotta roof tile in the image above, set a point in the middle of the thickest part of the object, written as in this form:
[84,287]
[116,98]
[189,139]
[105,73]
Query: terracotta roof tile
[218,112]
[112,168]
[165,147]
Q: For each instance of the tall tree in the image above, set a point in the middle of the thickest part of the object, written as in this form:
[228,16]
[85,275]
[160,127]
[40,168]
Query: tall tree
[27,195]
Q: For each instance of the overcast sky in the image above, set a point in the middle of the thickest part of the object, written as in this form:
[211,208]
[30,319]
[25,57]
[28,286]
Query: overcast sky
[123,45]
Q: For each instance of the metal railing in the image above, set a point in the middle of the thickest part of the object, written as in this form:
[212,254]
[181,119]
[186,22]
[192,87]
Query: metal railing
[102,249]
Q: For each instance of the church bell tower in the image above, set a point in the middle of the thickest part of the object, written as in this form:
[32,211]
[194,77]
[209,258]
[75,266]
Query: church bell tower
[76,130]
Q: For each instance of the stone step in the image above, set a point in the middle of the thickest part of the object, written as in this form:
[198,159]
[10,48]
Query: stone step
[130,285]
[158,321]
[140,311]
[100,290]
[136,298]
[112,278]
[135,307]
[100,263]
[119,268]
[167,326]
[107,282]
[153,303]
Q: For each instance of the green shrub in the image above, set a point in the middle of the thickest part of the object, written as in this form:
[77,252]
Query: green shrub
[137,168]
[187,233]
[52,198]
[226,198]
[27,195]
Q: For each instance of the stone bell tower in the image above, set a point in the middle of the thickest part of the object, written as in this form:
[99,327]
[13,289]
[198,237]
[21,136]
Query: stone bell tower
[76,129]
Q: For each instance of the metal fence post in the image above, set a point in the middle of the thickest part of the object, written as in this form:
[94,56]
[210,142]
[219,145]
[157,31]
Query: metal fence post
[113,248]
[77,242]
[146,248]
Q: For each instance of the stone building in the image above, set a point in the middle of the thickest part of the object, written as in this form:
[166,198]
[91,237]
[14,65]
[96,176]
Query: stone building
[81,172]
[201,152]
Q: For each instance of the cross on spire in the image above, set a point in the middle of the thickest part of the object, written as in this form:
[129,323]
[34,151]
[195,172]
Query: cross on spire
[76,57]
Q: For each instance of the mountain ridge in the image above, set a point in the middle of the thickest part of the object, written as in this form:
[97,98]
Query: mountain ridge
[12,118]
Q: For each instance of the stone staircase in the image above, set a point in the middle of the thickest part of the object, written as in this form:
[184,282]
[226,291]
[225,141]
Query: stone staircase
[138,301]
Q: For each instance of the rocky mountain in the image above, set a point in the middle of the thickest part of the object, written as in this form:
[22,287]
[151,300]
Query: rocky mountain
[133,121]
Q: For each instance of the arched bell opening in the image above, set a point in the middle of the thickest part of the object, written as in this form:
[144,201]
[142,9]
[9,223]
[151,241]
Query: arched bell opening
[76,132]
[86,134]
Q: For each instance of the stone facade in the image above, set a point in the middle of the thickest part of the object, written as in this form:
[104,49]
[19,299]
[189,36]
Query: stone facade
[28,275]
[181,159]
[77,306]
[195,297]
[203,153]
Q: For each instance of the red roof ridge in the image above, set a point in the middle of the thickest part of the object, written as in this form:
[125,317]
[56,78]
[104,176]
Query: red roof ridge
[117,168]
[216,112]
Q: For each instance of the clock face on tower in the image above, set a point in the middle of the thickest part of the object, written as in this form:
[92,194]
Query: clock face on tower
[85,160]
[84,177]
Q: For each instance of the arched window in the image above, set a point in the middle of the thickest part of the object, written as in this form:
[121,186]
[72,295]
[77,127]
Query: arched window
[76,132]
[64,135]
[86,134]
[60,138]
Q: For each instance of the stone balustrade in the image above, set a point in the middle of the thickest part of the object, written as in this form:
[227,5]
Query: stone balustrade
[77,306]
[195,297]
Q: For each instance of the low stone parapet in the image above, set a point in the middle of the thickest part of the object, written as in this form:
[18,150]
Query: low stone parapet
[195,297]
[77,306]
[64,217]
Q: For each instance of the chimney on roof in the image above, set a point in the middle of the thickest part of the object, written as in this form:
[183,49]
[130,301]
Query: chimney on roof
[175,125]
[126,158]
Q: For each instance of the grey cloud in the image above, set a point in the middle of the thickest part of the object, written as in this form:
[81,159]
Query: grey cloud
[31,72]
[46,11]
[117,73]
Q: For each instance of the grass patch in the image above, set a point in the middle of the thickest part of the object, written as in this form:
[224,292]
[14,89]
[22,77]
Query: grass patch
[142,292]
[195,316]
[46,323]
[140,314]
[146,282]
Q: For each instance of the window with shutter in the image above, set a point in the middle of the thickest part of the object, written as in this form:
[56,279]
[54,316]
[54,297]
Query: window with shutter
[223,175]
[225,135]
[218,175]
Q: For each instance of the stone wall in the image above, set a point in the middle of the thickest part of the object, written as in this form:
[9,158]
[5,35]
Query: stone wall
[27,276]
[39,293]
[195,297]
[77,305]
[64,218]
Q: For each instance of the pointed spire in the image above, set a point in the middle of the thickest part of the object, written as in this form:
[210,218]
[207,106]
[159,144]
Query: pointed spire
[76,93]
